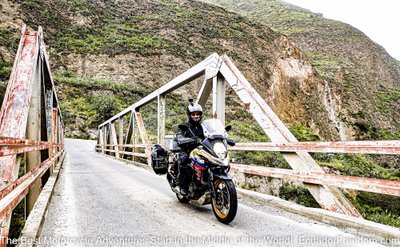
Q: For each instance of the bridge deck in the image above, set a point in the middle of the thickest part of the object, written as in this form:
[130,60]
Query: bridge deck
[98,200]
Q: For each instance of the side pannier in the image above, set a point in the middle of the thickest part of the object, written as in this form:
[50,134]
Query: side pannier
[159,160]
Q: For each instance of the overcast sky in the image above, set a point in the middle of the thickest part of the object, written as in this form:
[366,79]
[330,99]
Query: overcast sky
[378,19]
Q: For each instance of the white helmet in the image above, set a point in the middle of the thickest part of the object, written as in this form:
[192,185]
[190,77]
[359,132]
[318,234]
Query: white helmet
[194,111]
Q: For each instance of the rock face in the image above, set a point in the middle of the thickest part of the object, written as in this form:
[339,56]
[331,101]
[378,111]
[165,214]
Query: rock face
[361,81]
[340,84]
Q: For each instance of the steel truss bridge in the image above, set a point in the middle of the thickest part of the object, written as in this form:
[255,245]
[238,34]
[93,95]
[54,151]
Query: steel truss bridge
[32,142]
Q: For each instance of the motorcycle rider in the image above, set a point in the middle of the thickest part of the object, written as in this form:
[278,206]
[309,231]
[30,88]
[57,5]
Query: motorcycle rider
[194,130]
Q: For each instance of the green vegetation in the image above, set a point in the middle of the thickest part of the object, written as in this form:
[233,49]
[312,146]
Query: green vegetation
[379,208]
[386,102]
[326,66]
[8,39]
[87,102]
[110,39]
[297,194]
[5,70]
[354,165]
[303,134]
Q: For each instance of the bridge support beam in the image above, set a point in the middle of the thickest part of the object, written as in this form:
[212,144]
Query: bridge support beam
[120,135]
[143,136]
[205,92]
[129,132]
[106,139]
[330,198]
[33,132]
[219,97]
[161,118]
[114,140]
[101,139]
[53,134]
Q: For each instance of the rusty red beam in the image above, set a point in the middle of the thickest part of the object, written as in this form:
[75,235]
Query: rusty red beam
[11,146]
[11,150]
[364,147]
[381,186]
[15,107]
[9,187]
[15,192]
[19,141]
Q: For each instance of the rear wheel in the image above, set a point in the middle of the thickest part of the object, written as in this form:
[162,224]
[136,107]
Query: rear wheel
[225,203]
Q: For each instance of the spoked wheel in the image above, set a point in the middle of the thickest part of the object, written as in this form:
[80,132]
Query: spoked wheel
[182,199]
[225,203]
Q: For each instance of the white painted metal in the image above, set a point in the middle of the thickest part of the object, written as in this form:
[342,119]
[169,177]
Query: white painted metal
[204,93]
[143,136]
[114,140]
[186,77]
[219,98]
[161,119]
[101,140]
[121,135]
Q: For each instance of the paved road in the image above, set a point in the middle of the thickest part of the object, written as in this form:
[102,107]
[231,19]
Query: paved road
[99,201]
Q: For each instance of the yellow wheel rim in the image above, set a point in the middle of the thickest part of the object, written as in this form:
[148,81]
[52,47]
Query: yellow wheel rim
[221,210]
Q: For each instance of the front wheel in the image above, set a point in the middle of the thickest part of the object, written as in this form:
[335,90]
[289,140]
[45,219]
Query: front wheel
[225,203]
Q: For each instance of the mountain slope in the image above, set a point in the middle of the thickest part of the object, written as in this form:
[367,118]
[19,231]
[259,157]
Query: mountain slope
[154,41]
[362,78]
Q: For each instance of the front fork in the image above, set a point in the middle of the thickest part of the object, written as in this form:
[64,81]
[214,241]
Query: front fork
[214,176]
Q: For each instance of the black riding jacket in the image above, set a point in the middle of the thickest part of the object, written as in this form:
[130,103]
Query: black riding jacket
[194,130]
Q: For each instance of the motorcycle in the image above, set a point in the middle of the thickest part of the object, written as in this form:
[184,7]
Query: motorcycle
[208,171]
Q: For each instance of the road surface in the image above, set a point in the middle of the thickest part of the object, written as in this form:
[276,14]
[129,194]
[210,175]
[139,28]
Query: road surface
[99,201]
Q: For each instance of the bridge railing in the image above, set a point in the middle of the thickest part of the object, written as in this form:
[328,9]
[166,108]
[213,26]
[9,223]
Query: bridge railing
[218,72]
[31,129]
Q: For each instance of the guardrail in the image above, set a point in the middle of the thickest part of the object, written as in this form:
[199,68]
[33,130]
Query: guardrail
[219,71]
[380,186]
[31,129]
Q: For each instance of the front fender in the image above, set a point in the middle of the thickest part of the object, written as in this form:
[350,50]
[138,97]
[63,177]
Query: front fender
[217,175]
[222,175]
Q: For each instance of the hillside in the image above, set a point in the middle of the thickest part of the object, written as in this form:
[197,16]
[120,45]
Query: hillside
[362,78]
[105,55]
[151,43]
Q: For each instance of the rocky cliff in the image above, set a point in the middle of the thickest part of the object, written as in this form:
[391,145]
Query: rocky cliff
[361,86]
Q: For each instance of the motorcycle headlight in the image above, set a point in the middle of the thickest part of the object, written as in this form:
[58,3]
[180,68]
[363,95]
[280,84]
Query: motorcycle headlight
[220,150]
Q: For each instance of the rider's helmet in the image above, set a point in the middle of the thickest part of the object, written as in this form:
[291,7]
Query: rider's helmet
[194,111]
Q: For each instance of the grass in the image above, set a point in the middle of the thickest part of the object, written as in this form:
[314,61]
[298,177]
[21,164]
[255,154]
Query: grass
[8,39]
[111,39]
[326,66]
[87,102]
[297,194]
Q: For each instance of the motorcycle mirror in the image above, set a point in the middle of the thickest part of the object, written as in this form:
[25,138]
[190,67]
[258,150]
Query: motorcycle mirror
[230,142]
[228,128]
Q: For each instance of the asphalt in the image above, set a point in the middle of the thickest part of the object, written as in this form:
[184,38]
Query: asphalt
[99,201]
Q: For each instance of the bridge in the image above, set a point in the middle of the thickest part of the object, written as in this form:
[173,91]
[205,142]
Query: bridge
[103,193]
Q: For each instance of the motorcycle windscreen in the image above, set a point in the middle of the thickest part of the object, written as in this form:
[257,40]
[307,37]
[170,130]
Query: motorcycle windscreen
[213,128]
